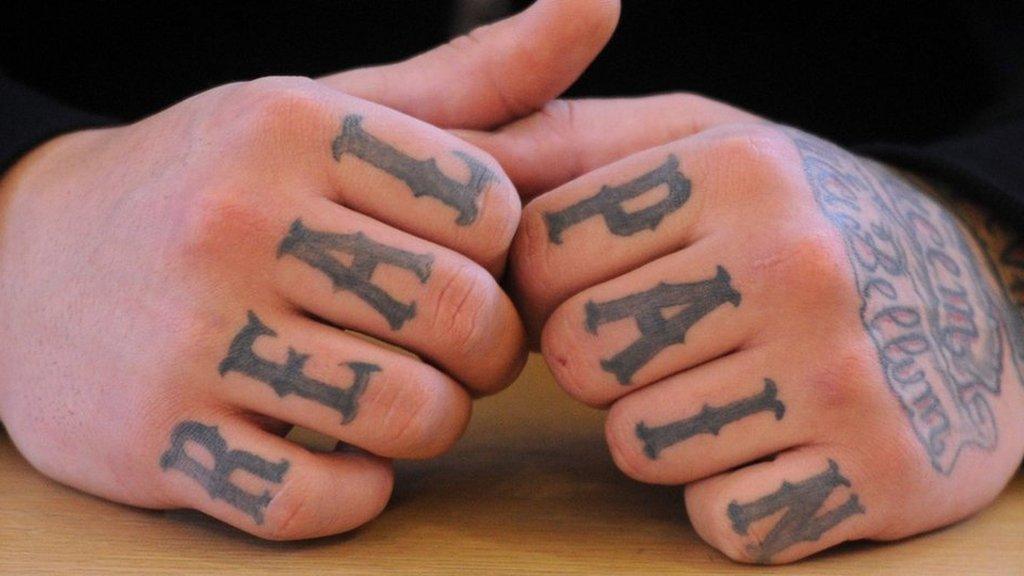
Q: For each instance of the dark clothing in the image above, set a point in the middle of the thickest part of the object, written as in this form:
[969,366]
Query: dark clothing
[937,87]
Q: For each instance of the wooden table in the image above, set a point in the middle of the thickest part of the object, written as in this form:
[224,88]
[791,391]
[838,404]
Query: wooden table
[529,490]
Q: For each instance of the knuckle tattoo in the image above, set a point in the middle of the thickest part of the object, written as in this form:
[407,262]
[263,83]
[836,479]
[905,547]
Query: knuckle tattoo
[657,332]
[216,480]
[314,248]
[289,378]
[608,203]
[710,420]
[423,177]
[803,519]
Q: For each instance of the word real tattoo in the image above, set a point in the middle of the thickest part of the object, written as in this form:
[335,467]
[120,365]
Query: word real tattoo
[801,521]
[423,177]
[925,304]
[217,480]
[609,203]
[710,420]
[314,248]
[288,378]
[697,299]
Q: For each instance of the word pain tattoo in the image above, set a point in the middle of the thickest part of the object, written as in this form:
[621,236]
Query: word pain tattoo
[608,203]
[657,332]
[314,248]
[710,420]
[423,177]
[801,521]
[288,378]
[932,315]
[217,479]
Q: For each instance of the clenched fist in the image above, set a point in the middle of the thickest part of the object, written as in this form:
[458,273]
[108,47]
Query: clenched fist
[177,292]
[811,341]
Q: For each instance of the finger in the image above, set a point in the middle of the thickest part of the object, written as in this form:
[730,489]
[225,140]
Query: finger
[708,420]
[268,486]
[673,314]
[299,371]
[568,138]
[361,275]
[396,169]
[804,501]
[495,73]
[631,212]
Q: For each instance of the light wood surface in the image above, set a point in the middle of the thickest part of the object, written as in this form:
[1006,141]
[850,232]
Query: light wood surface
[529,490]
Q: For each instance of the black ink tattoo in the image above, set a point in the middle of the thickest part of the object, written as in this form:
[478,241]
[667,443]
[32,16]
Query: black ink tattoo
[423,177]
[801,521]
[608,203]
[314,248]
[217,480]
[698,299]
[710,420]
[288,378]
[925,303]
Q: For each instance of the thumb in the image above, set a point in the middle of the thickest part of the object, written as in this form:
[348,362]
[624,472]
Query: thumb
[496,73]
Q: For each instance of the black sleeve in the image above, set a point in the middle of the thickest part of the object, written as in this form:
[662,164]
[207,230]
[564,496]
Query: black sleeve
[28,118]
[985,164]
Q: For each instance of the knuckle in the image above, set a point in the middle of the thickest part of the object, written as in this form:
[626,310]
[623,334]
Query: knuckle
[847,380]
[404,417]
[716,530]
[622,443]
[274,104]
[752,150]
[814,262]
[502,212]
[530,258]
[218,217]
[288,516]
[568,364]
[464,304]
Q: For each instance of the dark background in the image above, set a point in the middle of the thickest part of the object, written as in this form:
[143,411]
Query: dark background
[852,71]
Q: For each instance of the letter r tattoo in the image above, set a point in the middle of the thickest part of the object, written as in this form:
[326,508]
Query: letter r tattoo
[217,479]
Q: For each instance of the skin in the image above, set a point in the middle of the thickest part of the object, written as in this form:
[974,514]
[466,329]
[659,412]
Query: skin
[180,291]
[819,347]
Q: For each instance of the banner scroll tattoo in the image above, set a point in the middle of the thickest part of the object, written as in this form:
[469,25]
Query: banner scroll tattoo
[925,304]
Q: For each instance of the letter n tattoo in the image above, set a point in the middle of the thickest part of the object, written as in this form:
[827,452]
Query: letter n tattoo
[608,203]
[314,248]
[217,480]
[698,299]
[801,521]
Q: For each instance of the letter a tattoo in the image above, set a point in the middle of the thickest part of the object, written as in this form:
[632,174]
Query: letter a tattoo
[608,203]
[288,378]
[801,522]
[314,248]
[698,299]
[217,480]
[710,420]
[423,177]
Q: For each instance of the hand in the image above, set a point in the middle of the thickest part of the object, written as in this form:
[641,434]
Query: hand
[808,339]
[176,293]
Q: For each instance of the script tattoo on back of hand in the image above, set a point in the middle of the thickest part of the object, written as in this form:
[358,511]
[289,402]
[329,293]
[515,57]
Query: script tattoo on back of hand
[609,203]
[801,521]
[288,378]
[423,177]
[314,248]
[217,480]
[710,420]
[932,315]
[657,332]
